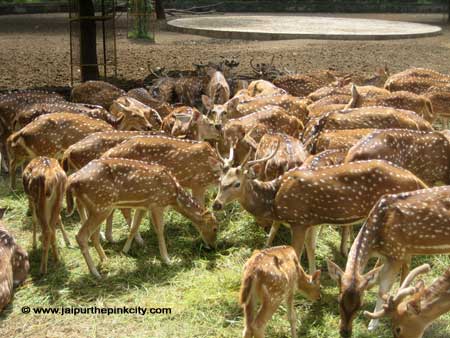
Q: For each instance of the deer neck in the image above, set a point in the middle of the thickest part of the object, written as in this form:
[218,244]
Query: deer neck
[360,251]
[258,198]
[188,207]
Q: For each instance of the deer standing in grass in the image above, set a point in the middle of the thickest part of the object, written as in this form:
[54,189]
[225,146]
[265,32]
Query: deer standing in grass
[414,308]
[14,265]
[398,227]
[49,135]
[304,198]
[105,184]
[44,182]
[271,276]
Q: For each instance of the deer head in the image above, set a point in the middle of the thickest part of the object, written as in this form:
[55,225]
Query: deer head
[205,129]
[233,180]
[404,308]
[351,292]
[134,115]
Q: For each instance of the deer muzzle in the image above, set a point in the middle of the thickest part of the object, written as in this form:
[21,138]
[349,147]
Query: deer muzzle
[217,206]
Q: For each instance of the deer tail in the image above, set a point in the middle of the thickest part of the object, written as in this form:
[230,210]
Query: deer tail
[246,289]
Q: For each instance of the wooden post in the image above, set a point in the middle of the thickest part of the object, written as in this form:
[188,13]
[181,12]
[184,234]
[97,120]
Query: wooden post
[88,41]
[159,8]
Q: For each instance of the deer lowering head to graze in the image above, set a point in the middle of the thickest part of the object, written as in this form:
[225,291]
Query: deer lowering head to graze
[96,92]
[425,153]
[416,80]
[272,276]
[189,123]
[304,198]
[134,115]
[290,154]
[31,112]
[440,99]
[110,183]
[325,158]
[14,265]
[264,88]
[50,135]
[414,308]
[10,105]
[398,227]
[142,95]
[44,182]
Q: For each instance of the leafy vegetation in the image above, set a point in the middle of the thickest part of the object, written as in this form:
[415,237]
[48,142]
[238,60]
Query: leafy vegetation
[200,286]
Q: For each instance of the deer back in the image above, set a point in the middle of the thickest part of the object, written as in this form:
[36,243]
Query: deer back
[96,92]
[337,139]
[325,158]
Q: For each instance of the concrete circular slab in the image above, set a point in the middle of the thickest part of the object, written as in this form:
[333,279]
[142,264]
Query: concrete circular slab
[266,27]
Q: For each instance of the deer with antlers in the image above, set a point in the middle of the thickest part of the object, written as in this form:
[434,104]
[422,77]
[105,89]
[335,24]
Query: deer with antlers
[143,96]
[272,276]
[398,227]
[413,309]
[264,70]
[50,135]
[44,182]
[14,265]
[135,115]
[304,198]
[124,183]
[425,153]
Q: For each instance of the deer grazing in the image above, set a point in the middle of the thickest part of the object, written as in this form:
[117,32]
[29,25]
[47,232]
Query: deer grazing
[189,123]
[336,139]
[217,91]
[124,183]
[413,309]
[416,80]
[425,153]
[143,96]
[135,115]
[303,198]
[96,92]
[272,276]
[261,88]
[398,227]
[14,265]
[31,112]
[44,182]
[50,135]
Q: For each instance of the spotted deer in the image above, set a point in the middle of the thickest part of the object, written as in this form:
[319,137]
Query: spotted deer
[325,158]
[260,88]
[44,182]
[272,276]
[187,122]
[413,309]
[398,227]
[96,92]
[425,153]
[143,96]
[110,183]
[135,115]
[416,80]
[11,104]
[31,112]
[217,91]
[49,135]
[14,265]
[304,198]
[332,93]
[336,139]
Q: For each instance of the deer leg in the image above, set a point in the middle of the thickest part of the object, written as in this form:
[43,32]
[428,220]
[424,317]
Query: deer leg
[129,218]
[310,243]
[273,232]
[46,237]
[387,276]
[12,174]
[199,195]
[249,315]
[268,308]
[291,314]
[98,245]
[137,219]
[34,220]
[298,233]
[54,246]
[158,224]
[63,231]
[108,231]
[87,229]
[405,268]
[345,239]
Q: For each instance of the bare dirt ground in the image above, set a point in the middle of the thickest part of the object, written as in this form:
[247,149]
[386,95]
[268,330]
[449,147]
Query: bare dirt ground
[34,51]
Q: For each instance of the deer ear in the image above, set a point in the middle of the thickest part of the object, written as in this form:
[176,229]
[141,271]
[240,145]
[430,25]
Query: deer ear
[370,278]
[315,279]
[184,118]
[2,212]
[413,307]
[334,271]
[207,102]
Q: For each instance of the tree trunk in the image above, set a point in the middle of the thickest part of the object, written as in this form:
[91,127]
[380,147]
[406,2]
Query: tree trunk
[88,42]
[448,11]
[159,8]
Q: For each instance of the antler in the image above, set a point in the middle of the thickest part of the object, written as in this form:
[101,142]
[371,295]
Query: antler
[264,159]
[425,268]
[255,69]
[230,158]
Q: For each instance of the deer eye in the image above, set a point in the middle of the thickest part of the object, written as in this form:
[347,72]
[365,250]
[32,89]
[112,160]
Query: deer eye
[237,184]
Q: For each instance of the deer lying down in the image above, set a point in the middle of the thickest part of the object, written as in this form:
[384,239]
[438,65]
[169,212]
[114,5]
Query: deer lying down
[399,226]
[413,309]
[44,182]
[106,184]
[272,276]
[14,265]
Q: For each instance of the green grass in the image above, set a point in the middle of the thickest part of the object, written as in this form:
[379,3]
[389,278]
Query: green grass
[200,286]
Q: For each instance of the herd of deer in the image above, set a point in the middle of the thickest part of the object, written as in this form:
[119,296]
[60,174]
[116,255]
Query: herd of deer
[301,150]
